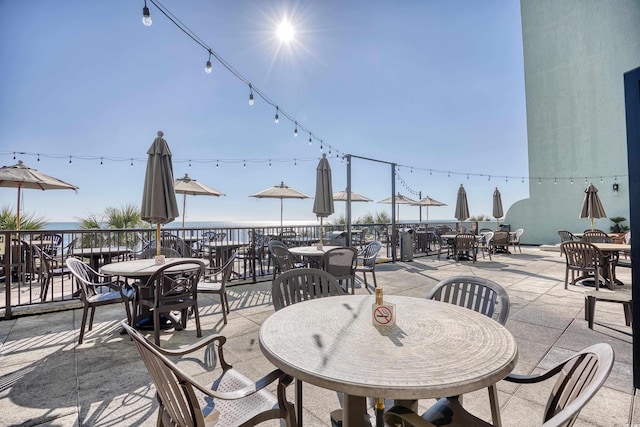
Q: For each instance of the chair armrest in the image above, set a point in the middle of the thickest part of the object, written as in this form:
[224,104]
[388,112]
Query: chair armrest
[193,347]
[533,378]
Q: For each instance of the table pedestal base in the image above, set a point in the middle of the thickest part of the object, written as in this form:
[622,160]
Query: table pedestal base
[146,323]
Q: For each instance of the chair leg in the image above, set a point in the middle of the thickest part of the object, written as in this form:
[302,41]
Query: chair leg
[224,307]
[299,401]
[197,316]
[93,311]
[156,327]
[626,306]
[590,310]
[375,282]
[82,326]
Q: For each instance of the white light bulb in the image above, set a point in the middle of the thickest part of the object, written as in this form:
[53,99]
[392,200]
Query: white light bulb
[251,99]
[146,17]
[207,68]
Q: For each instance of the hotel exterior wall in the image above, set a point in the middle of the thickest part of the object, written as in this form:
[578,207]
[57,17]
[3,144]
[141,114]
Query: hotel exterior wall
[575,54]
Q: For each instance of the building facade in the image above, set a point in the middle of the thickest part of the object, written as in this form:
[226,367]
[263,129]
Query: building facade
[575,55]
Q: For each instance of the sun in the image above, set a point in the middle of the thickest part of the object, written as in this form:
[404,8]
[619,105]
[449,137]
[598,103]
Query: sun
[285,31]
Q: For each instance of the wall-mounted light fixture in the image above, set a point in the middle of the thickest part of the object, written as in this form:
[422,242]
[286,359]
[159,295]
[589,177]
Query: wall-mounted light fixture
[615,188]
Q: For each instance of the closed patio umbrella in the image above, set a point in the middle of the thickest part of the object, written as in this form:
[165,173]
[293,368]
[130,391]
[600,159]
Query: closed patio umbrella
[323,202]
[428,201]
[497,206]
[159,204]
[592,206]
[189,186]
[400,200]
[462,206]
[20,176]
[281,192]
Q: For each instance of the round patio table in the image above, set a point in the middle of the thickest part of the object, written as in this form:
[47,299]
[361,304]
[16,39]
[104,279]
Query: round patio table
[435,350]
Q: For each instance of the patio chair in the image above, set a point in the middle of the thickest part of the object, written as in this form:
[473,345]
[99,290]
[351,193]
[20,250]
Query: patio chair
[566,236]
[254,253]
[341,264]
[283,260]
[514,239]
[465,245]
[591,297]
[206,286]
[167,292]
[299,285]
[47,269]
[443,245]
[595,236]
[366,262]
[231,400]
[580,377]
[583,258]
[151,252]
[97,290]
[500,242]
[485,243]
[169,240]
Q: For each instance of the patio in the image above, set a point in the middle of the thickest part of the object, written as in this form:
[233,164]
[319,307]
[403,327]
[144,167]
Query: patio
[47,379]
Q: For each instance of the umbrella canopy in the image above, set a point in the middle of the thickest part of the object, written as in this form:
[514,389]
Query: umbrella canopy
[428,201]
[186,185]
[592,206]
[281,192]
[20,176]
[462,207]
[159,204]
[341,196]
[400,200]
[497,205]
[323,202]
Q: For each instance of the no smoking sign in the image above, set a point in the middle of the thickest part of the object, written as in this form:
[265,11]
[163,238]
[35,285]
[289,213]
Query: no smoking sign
[383,315]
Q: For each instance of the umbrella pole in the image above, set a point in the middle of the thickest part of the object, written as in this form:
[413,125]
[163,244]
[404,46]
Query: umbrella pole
[281,211]
[18,214]
[158,239]
[321,231]
[592,224]
[184,210]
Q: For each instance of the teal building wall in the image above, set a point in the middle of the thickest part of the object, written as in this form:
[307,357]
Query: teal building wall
[575,55]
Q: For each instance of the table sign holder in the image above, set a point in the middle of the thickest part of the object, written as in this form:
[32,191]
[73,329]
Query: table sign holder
[382,314]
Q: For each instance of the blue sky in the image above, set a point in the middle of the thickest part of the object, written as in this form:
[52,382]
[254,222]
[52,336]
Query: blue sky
[427,84]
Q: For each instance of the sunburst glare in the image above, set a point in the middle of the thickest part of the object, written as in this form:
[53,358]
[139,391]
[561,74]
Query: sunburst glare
[285,31]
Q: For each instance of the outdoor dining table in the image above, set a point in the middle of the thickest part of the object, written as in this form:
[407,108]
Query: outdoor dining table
[100,255]
[312,253]
[435,350]
[141,270]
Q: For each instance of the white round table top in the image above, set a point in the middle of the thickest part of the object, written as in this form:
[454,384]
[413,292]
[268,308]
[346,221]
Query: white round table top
[311,250]
[436,349]
[141,267]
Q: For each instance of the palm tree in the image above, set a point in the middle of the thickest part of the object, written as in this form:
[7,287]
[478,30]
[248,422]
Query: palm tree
[9,220]
[127,216]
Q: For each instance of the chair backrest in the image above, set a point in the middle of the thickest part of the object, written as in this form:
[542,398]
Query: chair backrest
[174,387]
[83,275]
[581,255]
[172,241]
[476,293]
[566,236]
[340,262]
[465,241]
[487,237]
[173,287]
[580,378]
[302,284]
[627,238]
[369,254]
[362,236]
[518,233]
[287,232]
[227,269]
[501,238]
[281,255]
[596,236]
[151,252]
[485,230]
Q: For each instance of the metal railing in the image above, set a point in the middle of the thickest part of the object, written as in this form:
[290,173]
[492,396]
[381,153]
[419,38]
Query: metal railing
[28,284]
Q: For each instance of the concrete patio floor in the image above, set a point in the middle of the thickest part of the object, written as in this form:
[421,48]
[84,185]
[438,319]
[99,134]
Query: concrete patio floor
[47,379]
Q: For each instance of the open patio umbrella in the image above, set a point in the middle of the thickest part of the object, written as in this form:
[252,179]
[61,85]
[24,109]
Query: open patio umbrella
[341,196]
[592,206]
[497,206]
[400,200]
[323,202]
[428,201]
[20,176]
[159,204]
[281,192]
[188,186]
[462,206]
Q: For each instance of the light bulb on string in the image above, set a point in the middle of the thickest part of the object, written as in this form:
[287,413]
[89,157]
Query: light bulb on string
[601,180]
[489,179]
[276,118]
[571,181]
[295,130]
[101,160]
[310,138]
[146,15]
[217,164]
[189,163]
[295,162]
[467,176]
[448,174]
[555,181]
[506,179]
[269,162]
[321,149]
[38,156]
[14,155]
[523,180]
[244,164]
[250,94]
[539,181]
[586,181]
[208,67]
[131,164]
[430,172]
[69,159]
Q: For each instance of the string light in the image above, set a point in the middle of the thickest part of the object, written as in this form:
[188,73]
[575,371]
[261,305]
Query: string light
[277,118]
[208,67]
[69,159]
[250,94]
[571,180]
[586,181]
[146,15]
[217,164]
[101,160]
[295,131]
[269,162]
[38,156]
[601,180]
[131,164]
[539,181]
[245,164]
[555,181]
[309,138]
[189,163]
